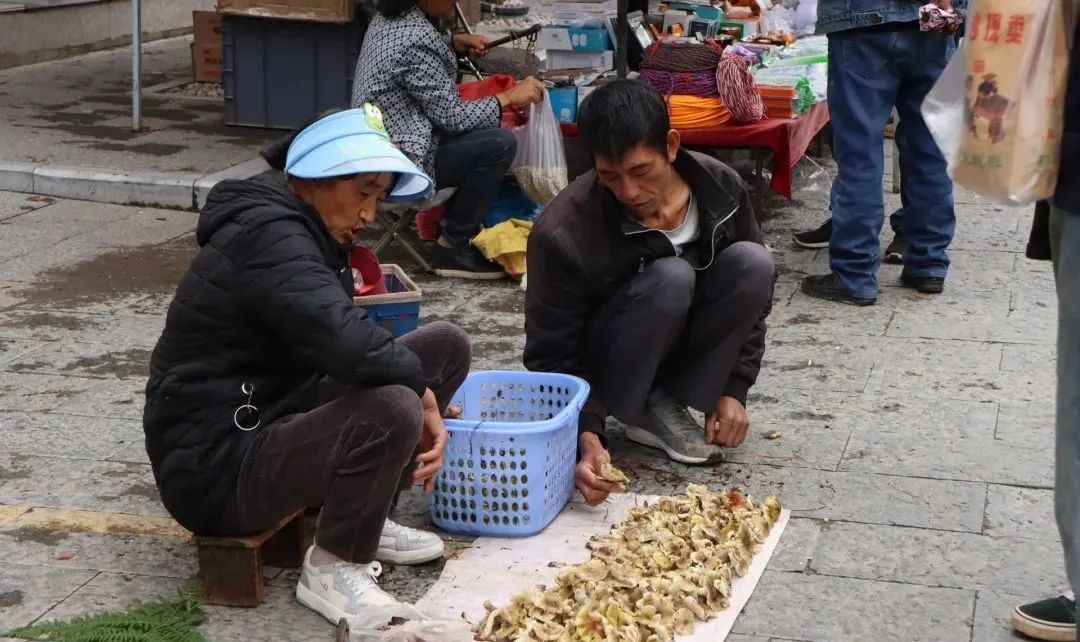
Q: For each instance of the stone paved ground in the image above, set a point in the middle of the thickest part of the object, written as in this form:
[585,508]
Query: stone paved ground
[915,449]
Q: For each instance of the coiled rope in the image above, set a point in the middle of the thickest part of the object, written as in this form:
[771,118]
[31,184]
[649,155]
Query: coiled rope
[736,87]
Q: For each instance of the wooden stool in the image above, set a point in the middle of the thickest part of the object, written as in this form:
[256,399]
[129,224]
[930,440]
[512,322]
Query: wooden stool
[230,568]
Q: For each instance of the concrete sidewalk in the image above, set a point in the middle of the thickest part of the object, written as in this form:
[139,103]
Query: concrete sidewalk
[66,127]
[915,449]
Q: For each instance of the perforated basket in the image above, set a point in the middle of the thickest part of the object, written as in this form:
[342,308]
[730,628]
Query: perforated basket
[509,466]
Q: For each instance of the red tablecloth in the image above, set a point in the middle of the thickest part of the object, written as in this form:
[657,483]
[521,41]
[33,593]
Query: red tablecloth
[788,138]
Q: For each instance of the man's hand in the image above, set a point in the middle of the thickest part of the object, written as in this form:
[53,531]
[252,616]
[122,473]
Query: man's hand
[433,440]
[728,425]
[470,43]
[587,473]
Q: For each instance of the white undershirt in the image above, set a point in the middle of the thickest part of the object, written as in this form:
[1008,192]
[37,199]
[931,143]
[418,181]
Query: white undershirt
[687,232]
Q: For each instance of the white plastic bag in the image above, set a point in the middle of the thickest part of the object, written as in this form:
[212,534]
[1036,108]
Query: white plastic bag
[416,631]
[997,110]
[540,167]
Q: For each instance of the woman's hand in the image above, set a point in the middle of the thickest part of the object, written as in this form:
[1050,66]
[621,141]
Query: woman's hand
[523,94]
[587,473]
[470,43]
[433,440]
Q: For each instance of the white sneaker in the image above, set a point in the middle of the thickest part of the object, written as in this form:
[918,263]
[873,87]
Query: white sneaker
[403,545]
[349,591]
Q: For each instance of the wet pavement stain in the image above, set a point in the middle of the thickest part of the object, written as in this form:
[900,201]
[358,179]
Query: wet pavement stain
[10,599]
[37,534]
[127,364]
[153,149]
[804,415]
[9,474]
[142,489]
[150,269]
[46,320]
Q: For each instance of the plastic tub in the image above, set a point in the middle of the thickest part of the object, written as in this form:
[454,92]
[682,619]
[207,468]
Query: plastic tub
[399,310]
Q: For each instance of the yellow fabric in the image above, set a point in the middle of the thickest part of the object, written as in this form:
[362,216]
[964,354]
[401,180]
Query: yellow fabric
[694,112]
[506,243]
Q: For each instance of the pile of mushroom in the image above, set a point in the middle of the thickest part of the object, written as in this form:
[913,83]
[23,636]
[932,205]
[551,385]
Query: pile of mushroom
[664,567]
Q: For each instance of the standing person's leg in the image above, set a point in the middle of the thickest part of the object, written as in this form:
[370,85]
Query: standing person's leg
[930,219]
[732,296]
[629,341]
[1067,471]
[476,164]
[862,89]
[1055,618]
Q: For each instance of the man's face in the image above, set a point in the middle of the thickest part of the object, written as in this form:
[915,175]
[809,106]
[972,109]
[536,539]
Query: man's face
[640,178]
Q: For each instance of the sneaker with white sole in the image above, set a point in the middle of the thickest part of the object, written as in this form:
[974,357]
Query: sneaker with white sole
[403,545]
[668,426]
[1053,620]
[341,590]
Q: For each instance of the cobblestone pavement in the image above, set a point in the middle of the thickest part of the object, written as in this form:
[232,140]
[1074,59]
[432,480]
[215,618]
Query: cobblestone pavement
[915,446]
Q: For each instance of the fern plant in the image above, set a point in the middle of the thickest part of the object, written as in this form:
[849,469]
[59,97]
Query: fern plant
[160,621]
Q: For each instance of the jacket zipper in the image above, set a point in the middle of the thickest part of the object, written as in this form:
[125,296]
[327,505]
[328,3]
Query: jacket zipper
[712,248]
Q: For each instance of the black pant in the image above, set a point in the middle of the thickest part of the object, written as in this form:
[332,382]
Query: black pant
[348,454]
[476,164]
[678,329]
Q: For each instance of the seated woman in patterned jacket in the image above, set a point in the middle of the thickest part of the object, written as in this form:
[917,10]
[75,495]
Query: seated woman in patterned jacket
[407,68]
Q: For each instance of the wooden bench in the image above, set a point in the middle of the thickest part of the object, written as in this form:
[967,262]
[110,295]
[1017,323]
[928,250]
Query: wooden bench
[231,568]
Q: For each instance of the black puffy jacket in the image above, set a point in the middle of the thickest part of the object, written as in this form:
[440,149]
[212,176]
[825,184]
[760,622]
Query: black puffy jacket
[267,302]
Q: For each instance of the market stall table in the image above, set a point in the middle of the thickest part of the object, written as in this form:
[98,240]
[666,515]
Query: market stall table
[787,138]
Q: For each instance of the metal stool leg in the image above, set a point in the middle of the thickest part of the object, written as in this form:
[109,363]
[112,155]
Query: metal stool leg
[397,229]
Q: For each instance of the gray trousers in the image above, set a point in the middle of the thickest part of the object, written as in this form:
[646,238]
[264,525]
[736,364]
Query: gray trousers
[679,329]
[348,455]
[1067,466]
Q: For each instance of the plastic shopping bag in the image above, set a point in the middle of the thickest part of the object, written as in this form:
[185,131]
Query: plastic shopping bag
[540,168]
[492,86]
[997,110]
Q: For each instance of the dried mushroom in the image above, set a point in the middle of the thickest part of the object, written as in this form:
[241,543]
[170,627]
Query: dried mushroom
[615,476]
[651,578]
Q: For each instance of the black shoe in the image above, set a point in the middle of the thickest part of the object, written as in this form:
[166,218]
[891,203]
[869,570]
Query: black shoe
[924,284]
[826,287]
[815,239]
[463,263]
[1053,619]
[894,252]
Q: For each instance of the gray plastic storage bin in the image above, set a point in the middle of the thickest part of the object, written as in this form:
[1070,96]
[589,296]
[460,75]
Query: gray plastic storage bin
[279,73]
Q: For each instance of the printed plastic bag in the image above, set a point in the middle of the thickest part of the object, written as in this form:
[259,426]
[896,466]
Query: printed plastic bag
[540,167]
[997,110]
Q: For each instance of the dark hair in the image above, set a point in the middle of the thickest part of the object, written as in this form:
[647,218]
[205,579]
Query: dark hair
[394,8]
[276,153]
[621,115]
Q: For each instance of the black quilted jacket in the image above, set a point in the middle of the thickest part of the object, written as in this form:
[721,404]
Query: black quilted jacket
[266,302]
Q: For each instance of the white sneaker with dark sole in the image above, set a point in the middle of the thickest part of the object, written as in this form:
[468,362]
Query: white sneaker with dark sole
[403,545]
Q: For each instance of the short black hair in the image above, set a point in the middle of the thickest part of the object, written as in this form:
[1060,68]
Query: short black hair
[394,8]
[621,115]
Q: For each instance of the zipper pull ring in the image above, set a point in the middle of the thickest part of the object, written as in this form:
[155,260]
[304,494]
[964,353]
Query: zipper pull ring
[641,265]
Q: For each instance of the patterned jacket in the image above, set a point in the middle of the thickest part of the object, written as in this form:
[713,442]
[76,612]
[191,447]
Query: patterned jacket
[407,68]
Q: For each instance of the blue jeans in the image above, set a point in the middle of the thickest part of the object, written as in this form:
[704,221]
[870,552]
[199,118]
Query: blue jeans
[1067,447]
[869,74]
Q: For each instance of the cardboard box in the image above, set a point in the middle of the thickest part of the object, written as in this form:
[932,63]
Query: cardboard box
[207,27]
[602,61]
[206,61]
[340,11]
[571,39]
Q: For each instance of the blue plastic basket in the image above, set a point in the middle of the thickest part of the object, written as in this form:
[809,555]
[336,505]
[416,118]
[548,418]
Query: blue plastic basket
[509,466]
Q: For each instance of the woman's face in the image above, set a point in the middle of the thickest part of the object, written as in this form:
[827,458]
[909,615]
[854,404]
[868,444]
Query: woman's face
[347,205]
